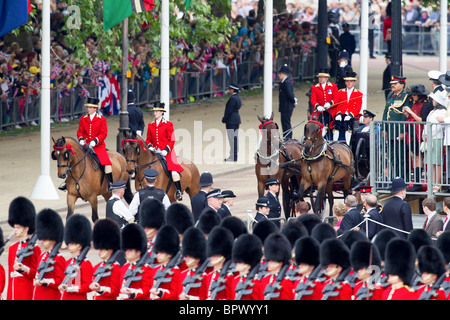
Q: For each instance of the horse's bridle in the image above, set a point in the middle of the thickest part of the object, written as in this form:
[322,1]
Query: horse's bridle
[313,140]
[277,151]
[139,143]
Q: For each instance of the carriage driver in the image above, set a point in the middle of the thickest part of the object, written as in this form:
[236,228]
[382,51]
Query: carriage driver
[92,132]
[161,139]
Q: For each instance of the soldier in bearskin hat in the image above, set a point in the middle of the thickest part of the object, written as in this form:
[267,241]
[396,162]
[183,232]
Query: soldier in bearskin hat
[21,268]
[275,285]
[167,247]
[134,244]
[219,249]
[418,238]
[307,254]
[323,231]
[293,230]
[106,239]
[247,253]
[50,231]
[443,244]
[364,255]
[151,218]
[431,267]
[235,225]
[208,219]
[400,268]
[77,236]
[335,258]
[309,221]
[193,278]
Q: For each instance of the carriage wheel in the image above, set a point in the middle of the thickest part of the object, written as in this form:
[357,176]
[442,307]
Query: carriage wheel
[362,166]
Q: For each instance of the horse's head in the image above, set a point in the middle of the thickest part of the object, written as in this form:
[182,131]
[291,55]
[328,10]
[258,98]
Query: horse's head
[131,150]
[312,135]
[64,153]
[270,131]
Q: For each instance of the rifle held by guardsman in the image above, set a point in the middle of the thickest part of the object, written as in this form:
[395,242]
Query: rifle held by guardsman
[48,265]
[307,288]
[160,275]
[434,288]
[241,288]
[190,282]
[105,271]
[133,275]
[270,290]
[219,284]
[6,241]
[330,289]
[28,250]
[71,271]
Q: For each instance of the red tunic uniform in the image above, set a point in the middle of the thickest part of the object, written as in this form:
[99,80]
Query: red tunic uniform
[51,291]
[20,285]
[316,289]
[345,292]
[95,130]
[399,292]
[110,284]
[287,287]
[145,283]
[2,279]
[162,137]
[256,294]
[201,292]
[225,294]
[360,292]
[320,95]
[171,289]
[440,294]
[82,281]
[351,105]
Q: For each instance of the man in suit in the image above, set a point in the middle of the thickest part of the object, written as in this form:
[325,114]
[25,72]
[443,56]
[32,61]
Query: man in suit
[446,208]
[433,223]
[198,202]
[353,217]
[371,204]
[135,116]
[232,119]
[347,41]
[273,188]
[396,211]
[387,75]
[287,100]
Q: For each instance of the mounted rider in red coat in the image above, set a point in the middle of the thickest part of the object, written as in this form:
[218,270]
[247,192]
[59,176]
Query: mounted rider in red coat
[161,139]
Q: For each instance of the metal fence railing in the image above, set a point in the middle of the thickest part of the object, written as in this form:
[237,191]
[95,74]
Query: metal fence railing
[419,152]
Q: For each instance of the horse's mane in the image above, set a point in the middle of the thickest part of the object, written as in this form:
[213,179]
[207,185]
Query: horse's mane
[75,141]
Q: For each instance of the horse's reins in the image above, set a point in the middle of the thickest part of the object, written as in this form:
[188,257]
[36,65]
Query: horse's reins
[136,166]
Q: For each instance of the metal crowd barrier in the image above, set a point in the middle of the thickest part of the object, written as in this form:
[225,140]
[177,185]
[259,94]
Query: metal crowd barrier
[416,151]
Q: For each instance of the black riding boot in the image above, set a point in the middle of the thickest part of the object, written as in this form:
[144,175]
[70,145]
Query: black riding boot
[110,179]
[178,193]
[63,187]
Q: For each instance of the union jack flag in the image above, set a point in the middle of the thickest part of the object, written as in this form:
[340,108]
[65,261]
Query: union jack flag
[69,69]
[84,93]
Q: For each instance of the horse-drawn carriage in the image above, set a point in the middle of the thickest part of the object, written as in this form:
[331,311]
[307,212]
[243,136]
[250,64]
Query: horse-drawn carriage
[314,167]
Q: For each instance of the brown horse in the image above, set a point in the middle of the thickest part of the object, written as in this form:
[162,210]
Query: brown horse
[323,164]
[139,158]
[272,155]
[83,175]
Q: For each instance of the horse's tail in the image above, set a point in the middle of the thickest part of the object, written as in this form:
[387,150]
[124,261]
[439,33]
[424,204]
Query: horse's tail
[128,196]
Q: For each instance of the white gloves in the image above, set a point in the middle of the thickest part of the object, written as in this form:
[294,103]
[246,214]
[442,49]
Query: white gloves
[347,118]
[327,106]
[295,100]
[164,153]
[82,142]
[343,64]
[151,149]
[92,144]
[338,118]
[139,133]
[320,108]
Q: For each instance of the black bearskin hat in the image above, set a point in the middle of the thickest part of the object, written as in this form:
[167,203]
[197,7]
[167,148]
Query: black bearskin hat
[167,240]
[382,239]
[323,231]
[133,237]
[334,251]
[309,221]
[194,244]
[293,231]
[364,254]
[263,228]
[179,216]
[277,248]
[400,259]
[431,260]
[78,230]
[235,225]
[106,235]
[349,237]
[443,244]
[22,212]
[418,238]
[151,213]
[220,242]
[307,250]
[247,248]
[49,226]
[208,219]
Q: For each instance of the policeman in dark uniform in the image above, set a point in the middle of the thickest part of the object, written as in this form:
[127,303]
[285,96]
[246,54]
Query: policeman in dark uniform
[115,208]
[397,99]
[198,202]
[135,116]
[149,191]
[232,119]
[343,68]
[273,187]
[262,210]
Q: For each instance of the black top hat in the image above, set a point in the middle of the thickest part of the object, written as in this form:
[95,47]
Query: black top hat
[220,242]
[49,225]
[130,96]
[272,181]
[263,202]
[344,55]
[159,106]
[194,244]
[235,86]
[350,75]
[118,184]
[152,213]
[398,184]
[284,69]
[367,113]
[22,212]
[387,55]
[445,78]
[214,193]
[206,179]
[106,234]
[150,173]
[228,194]
[419,89]
[92,102]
